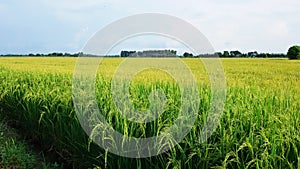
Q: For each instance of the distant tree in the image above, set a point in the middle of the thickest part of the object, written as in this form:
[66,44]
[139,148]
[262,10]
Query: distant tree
[67,54]
[124,54]
[127,53]
[226,54]
[252,54]
[187,55]
[268,55]
[294,52]
[219,54]
[235,53]
[174,52]
[261,55]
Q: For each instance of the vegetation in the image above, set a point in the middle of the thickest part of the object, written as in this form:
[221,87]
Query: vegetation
[15,152]
[54,54]
[187,55]
[260,127]
[169,53]
[294,52]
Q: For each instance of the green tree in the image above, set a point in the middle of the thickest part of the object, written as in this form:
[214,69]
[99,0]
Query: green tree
[294,52]
[186,55]
[219,54]
[235,53]
[226,54]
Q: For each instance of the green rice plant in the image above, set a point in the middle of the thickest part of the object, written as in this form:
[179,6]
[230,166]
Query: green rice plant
[260,126]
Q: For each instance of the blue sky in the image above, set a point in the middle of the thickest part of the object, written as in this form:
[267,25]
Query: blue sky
[44,26]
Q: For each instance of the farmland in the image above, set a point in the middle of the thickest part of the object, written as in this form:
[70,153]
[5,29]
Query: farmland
[259,128]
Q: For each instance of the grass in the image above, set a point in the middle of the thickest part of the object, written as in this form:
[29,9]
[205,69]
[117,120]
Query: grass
[16,153]
[13,153]
[260,126]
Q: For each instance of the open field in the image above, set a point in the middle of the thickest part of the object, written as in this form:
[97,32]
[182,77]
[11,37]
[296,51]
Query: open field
[260,125]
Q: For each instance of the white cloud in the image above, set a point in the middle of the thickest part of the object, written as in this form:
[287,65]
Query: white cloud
[231,24]
[279,29]
[79,39]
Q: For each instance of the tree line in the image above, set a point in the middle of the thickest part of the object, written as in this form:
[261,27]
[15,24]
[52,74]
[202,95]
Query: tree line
[53,54]
[225,54]
[293,53]
[149,53]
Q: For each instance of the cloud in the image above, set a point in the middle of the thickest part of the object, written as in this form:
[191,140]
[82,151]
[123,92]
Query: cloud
[279,29]
[79,39]
[232,24]
[251,25]
[148,42]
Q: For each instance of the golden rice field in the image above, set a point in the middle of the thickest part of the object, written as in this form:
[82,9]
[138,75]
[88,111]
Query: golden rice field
[259,128]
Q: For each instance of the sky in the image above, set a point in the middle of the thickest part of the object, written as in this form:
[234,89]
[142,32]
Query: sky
[44,26]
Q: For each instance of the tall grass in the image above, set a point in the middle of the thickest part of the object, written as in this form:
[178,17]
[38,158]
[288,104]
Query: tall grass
[260,127]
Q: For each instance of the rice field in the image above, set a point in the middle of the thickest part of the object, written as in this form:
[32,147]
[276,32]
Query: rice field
[259,128]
